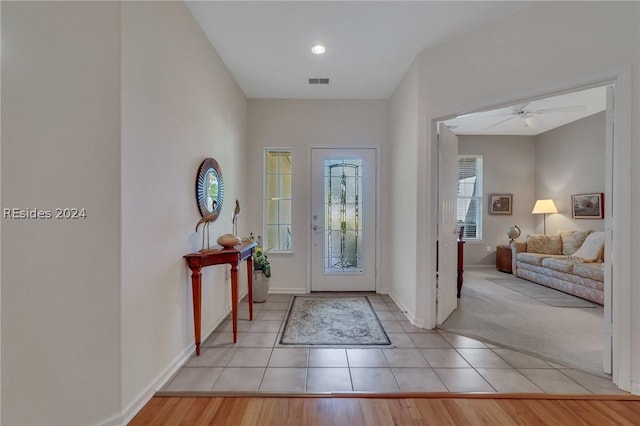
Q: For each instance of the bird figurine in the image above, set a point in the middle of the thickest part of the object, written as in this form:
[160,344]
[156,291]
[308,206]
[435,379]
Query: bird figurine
[205,222]
[236,212]
[207,219]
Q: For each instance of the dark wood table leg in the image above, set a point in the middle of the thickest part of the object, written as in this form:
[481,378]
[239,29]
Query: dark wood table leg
[196,286]
[250,285]
[460,266]
[234,299]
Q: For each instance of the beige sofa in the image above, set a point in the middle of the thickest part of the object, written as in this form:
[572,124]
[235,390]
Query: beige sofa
[570,261]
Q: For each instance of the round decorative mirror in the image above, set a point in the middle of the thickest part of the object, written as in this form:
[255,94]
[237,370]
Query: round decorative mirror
[209,188]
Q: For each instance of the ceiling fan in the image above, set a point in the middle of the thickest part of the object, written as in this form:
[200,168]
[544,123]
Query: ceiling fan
[527,114]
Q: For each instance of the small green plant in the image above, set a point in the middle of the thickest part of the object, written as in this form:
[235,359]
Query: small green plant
[261,263]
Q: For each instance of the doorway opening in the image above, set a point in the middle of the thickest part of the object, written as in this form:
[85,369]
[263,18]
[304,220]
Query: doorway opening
[525,121]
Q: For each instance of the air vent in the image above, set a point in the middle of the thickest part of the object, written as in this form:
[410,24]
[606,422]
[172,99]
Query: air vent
[318,81]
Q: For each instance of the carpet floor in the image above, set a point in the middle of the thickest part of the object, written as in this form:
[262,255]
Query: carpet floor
[491,312]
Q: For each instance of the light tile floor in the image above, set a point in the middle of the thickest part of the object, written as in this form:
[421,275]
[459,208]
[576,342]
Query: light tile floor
[421,361]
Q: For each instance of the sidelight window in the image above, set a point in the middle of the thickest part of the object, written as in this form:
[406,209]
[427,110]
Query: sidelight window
[277,201]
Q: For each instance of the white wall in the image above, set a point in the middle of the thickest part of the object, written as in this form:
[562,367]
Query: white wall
[300,125]
[559,45]
[508,167]
[179,105]
[403,195]
[571,160]
[109,107]
[61,148]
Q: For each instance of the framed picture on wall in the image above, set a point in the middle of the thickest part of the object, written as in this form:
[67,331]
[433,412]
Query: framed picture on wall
[587,206]
[501,204]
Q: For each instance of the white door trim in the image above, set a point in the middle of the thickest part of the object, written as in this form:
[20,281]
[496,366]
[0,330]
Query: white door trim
[608,227]
[621,233]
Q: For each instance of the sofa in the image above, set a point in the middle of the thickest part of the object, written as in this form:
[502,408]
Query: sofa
[569,261]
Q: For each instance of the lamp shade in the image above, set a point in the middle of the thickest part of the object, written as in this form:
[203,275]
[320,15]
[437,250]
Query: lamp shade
[544,206]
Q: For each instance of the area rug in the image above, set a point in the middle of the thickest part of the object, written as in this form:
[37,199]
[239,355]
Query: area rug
[543,294]
[333,322]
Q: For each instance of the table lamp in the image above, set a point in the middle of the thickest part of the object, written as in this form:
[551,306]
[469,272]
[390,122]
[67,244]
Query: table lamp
[544,207]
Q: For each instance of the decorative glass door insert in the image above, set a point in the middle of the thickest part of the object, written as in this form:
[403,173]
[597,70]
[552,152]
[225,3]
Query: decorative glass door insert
[343,209]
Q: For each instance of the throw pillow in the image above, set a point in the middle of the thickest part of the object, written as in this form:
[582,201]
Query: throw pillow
[590,249]
[544,244]
[572,241]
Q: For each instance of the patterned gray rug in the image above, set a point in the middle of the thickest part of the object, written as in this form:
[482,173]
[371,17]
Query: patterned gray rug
[333,321]
[543,294]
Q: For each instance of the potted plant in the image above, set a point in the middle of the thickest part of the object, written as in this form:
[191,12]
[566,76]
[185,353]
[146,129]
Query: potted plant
[261,275]
[261,263]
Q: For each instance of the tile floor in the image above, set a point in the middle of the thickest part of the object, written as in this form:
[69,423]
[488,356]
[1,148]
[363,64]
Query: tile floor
[421,361]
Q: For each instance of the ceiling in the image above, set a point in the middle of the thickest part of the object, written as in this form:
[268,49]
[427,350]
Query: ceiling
[534,117]
[370,44]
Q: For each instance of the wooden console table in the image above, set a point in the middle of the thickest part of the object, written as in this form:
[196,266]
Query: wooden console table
[220,256]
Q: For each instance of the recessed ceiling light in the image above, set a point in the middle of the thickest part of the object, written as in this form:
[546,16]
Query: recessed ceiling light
[318,49]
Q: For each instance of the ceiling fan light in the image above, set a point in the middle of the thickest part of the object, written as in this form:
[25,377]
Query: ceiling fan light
[528,121]
[318,49]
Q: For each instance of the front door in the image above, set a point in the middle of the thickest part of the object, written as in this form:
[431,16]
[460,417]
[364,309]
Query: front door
[343,219]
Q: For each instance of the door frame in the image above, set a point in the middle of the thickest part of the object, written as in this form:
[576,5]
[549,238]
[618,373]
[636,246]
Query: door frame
[309,220]
[619,192]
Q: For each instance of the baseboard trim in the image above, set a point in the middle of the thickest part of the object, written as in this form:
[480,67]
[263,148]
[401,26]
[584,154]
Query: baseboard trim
[130,412]
[410,317]
[115,420]
[287,290]
[145,396]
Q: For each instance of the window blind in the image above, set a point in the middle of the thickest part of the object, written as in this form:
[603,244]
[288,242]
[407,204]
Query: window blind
[469,206]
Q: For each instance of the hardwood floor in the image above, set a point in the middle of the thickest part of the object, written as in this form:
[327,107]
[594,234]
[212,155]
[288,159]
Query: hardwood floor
[440,409]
